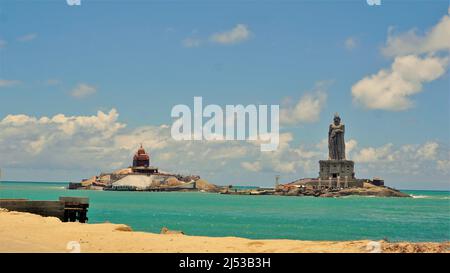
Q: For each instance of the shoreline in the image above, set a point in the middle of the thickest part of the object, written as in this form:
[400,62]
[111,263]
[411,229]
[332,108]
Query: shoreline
[25,232]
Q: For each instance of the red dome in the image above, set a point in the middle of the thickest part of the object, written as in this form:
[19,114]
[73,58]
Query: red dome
[141,151]
[141,158]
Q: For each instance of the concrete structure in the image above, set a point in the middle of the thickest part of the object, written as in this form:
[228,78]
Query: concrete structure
[336,168]
[158,182]
[329,183]
[337,172]
[67,209]
[141,163]
[141,158]
[377,181]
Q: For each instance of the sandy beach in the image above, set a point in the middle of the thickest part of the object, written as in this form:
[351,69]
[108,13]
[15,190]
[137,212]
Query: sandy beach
[24,232]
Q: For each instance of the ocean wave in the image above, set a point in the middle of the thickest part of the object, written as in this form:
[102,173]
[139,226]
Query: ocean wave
[56,188]
[430,197]
[420,196]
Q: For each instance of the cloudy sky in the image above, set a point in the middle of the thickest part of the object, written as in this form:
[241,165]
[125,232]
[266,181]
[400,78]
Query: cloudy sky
[81,87]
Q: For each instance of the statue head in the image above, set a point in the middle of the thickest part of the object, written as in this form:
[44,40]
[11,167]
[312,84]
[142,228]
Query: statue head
[336,119]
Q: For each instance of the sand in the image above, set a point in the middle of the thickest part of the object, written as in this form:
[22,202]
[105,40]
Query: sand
[24,232]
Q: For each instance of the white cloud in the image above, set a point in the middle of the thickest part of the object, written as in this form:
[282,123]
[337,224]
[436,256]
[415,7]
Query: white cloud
[191,42]
[417,60]
[91,144]
[58,141]
[388,153]
[306,110]
[390,89]
[350,43]
[27,37]
[370,154]
[83,90]
[385,160]
[102,143]
[252,166]
[428,151]
[407,159]
[444,166]
[8,83]
[288,159]
[436,39]
[350,145]
[152,137]
[238,34]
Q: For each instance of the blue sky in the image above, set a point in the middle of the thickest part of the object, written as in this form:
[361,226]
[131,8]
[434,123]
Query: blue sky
[134,56]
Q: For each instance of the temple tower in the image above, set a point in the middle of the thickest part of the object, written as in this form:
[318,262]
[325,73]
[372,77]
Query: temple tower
[141,158]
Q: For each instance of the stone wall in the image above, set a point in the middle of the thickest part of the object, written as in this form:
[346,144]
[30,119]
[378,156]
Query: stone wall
[336,168]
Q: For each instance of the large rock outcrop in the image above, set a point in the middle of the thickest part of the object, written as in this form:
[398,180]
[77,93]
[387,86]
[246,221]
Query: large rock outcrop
[367,190]
[203,185]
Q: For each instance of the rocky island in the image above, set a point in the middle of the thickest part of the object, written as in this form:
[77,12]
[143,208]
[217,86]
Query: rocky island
[143,177]
[336,175]
[368,189]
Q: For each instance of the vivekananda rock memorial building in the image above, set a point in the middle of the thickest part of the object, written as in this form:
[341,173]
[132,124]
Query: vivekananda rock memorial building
[141,162]
[141,176]
[141,158]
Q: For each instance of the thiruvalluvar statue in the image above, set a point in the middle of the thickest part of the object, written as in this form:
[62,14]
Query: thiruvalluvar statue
[336,143]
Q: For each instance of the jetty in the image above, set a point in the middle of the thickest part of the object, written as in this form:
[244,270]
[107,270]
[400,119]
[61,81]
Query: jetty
[67,209]
[256,191]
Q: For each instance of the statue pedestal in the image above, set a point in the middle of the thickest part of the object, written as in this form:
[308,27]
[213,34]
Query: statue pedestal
[337,168]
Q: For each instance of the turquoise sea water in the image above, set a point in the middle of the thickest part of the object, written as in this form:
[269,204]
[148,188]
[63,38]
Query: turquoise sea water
[423,218]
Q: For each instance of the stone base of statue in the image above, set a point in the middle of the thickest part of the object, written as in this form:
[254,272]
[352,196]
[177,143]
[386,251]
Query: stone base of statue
[338,173]
[337,168]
